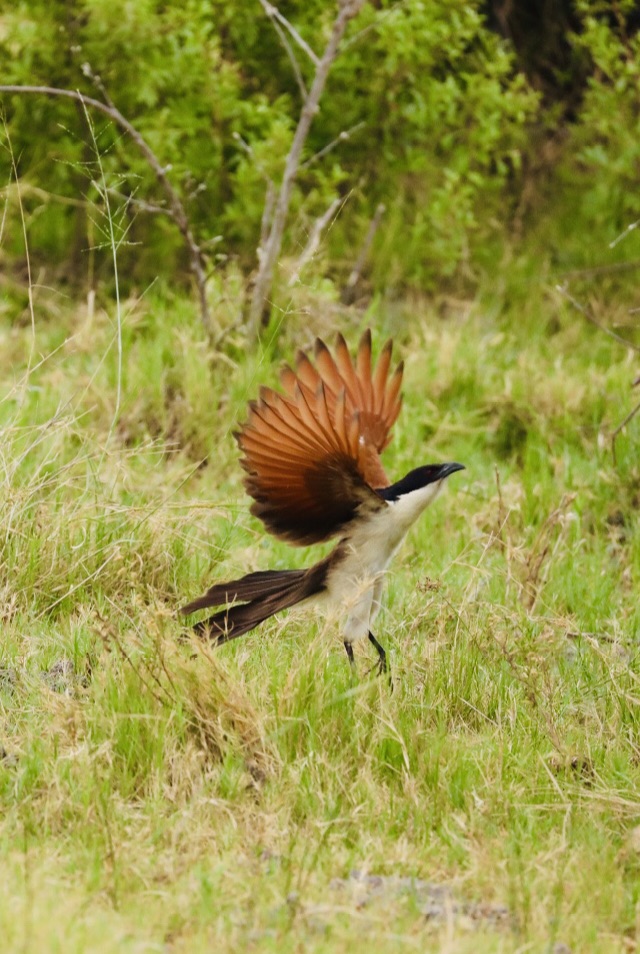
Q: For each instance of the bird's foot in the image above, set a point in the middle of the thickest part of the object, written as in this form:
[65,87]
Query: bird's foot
[382,665]
[352,663]
[349,649]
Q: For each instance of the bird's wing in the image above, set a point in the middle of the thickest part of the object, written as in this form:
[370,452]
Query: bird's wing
[304,461]
[370,395]
[312,456]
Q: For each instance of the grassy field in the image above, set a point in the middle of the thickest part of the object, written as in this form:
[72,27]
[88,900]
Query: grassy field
[157,796]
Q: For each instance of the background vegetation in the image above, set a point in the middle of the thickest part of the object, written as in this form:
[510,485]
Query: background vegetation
[157,796]
[458,131]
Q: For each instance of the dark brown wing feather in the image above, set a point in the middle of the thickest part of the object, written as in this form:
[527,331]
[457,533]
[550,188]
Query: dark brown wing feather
[312,455]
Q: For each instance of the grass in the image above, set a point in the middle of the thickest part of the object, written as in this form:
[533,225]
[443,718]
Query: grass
[157,796]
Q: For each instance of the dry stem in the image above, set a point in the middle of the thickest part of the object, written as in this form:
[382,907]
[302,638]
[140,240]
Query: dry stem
[268,254]
[176,209]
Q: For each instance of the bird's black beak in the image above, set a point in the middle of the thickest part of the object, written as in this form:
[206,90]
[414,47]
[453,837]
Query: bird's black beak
[445,470]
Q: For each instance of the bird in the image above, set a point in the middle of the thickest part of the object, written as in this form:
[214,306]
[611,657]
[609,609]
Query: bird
[311,456]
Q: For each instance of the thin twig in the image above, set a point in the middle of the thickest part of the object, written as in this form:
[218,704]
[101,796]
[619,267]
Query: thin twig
[140,204]
[344,136]
[620,428]
[356,271]
[177,210]
[28,189]
[623,235]
[311,247]
[274,14]
[113,245]
[249,151]
[267,216]
[30,284]
[594,321]
[631,265]
[624,341]
[271,249]
[269,10]
[375,24]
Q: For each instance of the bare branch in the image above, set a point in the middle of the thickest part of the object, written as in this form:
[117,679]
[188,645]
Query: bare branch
[28,189]
[249,151]
[356,272]
[630,265]
[313,242]
[629,344]
[594,321]
[344,136]
[274,14]
[623,235]
[267,215]
[620,428]
[176,208]
[141,204]
[381,16]
[347,10]
[268,9]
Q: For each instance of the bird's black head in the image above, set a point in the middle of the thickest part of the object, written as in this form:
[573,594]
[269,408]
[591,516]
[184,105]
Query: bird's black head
[418,478]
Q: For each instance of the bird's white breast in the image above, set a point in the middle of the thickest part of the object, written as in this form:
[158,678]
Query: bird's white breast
[366,553]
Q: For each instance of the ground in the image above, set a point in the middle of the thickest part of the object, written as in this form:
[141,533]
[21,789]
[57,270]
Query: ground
[157,795]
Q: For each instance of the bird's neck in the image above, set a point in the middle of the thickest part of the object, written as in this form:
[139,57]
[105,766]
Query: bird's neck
[406,509]
[373,539]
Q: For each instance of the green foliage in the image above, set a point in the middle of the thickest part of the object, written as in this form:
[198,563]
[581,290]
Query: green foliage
[430,98]
[604,146]
[581,195]
[424,111]
[446,113]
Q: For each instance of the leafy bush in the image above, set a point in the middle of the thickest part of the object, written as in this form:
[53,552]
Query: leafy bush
[604,148]
[437,113]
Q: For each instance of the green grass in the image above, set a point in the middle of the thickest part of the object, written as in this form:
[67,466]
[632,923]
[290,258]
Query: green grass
[156,796]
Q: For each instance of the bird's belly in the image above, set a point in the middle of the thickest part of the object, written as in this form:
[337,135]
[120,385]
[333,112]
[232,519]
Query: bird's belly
[354,589]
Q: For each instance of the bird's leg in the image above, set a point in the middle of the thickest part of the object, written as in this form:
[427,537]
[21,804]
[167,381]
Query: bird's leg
[349,649]
[383,665]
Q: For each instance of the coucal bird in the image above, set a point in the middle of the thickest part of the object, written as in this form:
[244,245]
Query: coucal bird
[312,458]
